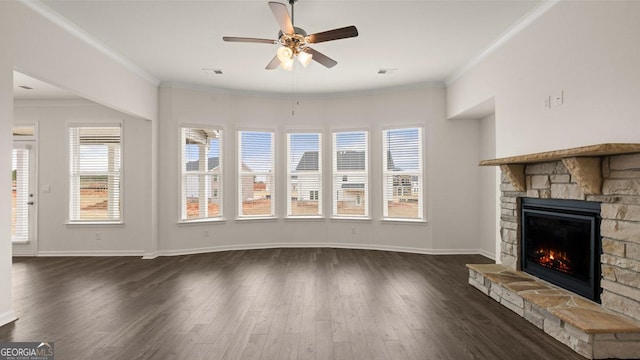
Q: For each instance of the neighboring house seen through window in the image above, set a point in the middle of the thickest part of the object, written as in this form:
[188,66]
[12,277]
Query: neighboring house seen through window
[304,174]
[201,167]
[351,174]
[256,180]
[402,173]
[95,156]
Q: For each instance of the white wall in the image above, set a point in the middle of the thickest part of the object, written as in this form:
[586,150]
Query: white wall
[54,236]
[6,117]
[487,187]
[590,50]
[451,155]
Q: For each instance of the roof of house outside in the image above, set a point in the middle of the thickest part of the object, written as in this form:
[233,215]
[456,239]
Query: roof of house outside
[346,160]
[195,164]
[214,162]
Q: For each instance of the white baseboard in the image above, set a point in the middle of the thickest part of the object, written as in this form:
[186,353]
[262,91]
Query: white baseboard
[91,253]
[211,249]
[488,254]
[8,317]
[150,256]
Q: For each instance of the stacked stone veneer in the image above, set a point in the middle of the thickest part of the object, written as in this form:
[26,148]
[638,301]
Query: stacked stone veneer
[620,227]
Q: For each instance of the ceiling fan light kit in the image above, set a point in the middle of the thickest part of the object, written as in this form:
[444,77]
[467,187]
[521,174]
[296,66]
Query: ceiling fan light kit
[295,42]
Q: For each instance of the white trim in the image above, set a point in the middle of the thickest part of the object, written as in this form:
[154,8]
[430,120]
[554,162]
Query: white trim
[8,317]
[403,221]
[202,221]
[54,103]
[212,249]
[313,95]
[91,253]
[512,31]
[150,256]
[322,245]
[82,35]
[487,254]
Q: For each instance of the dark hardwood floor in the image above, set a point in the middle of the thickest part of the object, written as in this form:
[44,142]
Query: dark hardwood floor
[268,304]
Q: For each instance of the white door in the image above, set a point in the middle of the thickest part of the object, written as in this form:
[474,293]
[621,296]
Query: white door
[23,198]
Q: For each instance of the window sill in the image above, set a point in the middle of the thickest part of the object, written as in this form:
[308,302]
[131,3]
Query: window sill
[257,219]
[202,221]
[402,221]
[95,224]
[20,242]
[305,218]
[351,219]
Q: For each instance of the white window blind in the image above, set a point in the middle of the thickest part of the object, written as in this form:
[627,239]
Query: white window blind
[95,174]
[304,174]
[201,165]
[351,174]
[256,181]
[20,194]
[402,173]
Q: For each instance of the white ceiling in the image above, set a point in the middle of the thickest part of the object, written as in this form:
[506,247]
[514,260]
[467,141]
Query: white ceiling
[174,40]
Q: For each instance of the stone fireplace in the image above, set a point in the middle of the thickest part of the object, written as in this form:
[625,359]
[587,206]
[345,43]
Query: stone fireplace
[607,175]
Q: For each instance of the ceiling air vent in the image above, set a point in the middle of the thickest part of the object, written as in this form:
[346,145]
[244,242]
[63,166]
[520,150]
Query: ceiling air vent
[386,71]
[213,71]
[25,87]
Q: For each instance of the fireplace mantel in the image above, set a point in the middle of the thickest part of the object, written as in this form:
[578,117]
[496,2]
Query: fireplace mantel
[584,164]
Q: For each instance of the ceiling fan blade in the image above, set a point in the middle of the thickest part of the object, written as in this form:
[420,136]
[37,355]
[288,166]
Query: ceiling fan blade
[321,58]
[281,14]
[249,40]
[335,34]
[275,62]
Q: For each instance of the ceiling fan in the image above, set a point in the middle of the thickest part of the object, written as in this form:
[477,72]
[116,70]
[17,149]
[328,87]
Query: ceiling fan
[295,41]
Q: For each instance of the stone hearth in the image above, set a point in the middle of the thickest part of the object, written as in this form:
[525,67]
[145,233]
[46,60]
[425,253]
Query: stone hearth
[606,173]
[584,326]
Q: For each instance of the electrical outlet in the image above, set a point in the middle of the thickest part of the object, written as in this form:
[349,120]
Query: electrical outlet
[558,98]
[98,236]
[353,231]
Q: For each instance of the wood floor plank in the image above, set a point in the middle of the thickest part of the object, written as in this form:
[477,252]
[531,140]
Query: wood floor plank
[324,340]
[253,349]
[267,304]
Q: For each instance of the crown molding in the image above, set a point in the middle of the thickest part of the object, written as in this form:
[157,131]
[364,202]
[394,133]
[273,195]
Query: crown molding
[512,31]
[324,95]
[79,33]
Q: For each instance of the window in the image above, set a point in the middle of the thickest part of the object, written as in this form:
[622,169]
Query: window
[304,174]
[402,173]
[201,173]
[95,193]
[255,173]
[351,174]
[20,192]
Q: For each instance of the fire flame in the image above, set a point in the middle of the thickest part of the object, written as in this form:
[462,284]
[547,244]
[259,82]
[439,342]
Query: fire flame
[554,260]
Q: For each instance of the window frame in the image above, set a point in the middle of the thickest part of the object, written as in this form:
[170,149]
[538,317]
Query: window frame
[347,174]
[68,145]
[420,173]
[240,173]
[220,175]
[320,173]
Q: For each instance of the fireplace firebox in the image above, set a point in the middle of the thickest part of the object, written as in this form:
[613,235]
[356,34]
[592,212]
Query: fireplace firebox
[561,243]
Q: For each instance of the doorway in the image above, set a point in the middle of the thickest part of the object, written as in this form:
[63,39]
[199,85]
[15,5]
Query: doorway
[23,186]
